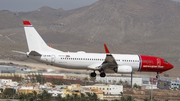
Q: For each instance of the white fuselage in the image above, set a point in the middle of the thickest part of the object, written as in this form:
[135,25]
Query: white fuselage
[85,60]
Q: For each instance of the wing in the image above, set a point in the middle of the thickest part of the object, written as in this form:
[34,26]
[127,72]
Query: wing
[110,65]
[109,62]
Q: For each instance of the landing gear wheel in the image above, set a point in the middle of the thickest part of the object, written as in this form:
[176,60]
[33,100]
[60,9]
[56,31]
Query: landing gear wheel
[93,74]
[157,76]
[102,75]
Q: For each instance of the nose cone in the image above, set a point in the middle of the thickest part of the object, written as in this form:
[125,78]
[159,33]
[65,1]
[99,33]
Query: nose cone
[170,66]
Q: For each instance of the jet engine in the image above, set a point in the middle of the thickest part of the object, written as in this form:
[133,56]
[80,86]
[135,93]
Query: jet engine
[123,69]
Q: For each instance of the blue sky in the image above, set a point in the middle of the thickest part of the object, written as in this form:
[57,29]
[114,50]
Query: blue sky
[30,5]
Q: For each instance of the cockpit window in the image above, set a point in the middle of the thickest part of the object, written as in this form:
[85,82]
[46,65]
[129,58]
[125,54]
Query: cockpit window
[165,62]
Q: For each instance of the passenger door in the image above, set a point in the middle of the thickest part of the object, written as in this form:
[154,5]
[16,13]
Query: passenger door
[53,58]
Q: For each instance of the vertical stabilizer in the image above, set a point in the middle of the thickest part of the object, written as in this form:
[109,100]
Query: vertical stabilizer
[34,40]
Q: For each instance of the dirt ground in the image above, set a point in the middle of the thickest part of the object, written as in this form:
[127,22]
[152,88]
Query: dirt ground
[158,95]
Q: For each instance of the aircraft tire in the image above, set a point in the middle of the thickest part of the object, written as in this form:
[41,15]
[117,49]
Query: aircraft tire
[93,74]
[102,74]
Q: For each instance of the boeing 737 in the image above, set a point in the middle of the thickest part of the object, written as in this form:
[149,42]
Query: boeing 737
[102,62]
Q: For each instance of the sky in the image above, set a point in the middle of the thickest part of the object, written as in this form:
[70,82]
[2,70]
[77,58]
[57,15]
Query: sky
[176,0]
[30,5]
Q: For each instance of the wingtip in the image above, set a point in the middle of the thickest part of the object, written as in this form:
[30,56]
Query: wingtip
[106,49]
[25,22]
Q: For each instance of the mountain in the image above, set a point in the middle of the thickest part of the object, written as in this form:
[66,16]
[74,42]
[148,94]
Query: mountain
[43,15]
[148,27]
[126,26]
[9,20]
[123,21]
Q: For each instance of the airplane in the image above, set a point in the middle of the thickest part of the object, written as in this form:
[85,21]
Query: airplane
[102,62]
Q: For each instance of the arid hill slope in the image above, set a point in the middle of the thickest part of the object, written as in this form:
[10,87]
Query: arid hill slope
[148,27]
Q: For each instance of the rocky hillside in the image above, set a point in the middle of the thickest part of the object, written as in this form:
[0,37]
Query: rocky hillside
[148,27]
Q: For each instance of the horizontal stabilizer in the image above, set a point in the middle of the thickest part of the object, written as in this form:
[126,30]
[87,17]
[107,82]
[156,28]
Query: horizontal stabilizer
[34,53]
[19,52]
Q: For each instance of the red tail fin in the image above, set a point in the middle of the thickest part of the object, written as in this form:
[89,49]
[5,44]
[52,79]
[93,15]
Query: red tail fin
[26,23]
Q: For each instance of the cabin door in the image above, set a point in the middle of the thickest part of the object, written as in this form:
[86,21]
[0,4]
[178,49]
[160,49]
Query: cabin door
[158,63]
[52,58]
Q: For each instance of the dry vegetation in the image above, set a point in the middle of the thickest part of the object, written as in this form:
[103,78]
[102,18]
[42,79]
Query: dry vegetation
[158,95]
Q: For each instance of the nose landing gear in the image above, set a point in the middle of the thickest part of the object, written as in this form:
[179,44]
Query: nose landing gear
[157,76]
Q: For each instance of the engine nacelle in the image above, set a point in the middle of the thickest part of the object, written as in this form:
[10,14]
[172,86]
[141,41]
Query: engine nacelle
[123,69]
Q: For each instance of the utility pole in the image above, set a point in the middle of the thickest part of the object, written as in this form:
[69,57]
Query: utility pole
[13,93]
[151,80]
[131,79]
[151,92]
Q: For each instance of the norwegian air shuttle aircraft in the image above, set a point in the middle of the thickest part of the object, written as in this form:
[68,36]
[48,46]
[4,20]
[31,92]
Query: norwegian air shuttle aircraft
[104,63]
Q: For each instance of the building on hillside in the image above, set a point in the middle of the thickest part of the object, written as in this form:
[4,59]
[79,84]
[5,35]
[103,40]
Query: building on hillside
[55,92]
[8,83]
[76,76]
[45,86]
[150,83]
[26,90]
[34,85]
[98,92]
[175,85]
[54,75]
[7,69]
[85,90]
[119,80]
[78,89]
[107,89]
[58,87]
[48,75]
[11,84]
[164,84]
[168,84]
[4,81]
[71,90]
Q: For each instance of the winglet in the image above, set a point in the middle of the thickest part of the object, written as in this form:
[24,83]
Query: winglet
[106,49]
[27,23]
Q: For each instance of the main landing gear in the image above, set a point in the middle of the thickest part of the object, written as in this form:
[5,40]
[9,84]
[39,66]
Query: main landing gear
[157,76]
[102,74]
[93,74]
